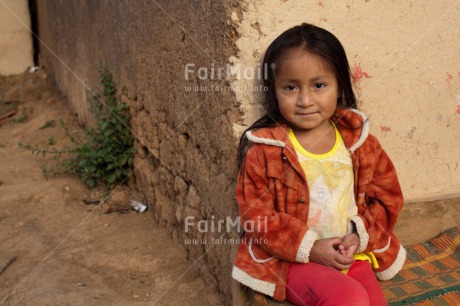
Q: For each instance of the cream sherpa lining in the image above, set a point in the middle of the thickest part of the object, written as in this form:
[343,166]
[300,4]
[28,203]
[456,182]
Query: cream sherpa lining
[364,130]
[353,148]
[395,267]
[361,231]
[254,256]
[305,246]
[253,283]
[384,248]
[266,141]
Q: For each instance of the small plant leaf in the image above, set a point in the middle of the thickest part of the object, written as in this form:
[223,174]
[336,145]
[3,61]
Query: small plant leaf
[111,178]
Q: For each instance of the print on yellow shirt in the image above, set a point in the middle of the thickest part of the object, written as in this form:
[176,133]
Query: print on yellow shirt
[330,180]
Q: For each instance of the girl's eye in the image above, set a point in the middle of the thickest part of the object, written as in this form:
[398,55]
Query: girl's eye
[319,85]
[290,87]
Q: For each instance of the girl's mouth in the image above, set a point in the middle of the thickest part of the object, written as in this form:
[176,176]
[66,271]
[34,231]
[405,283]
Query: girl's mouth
[306,114]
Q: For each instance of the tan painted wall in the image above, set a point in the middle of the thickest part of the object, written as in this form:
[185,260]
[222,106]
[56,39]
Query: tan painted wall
[16,51]
[410,51]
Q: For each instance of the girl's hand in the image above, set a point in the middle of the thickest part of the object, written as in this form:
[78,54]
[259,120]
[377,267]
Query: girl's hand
[325,252]
[350,245]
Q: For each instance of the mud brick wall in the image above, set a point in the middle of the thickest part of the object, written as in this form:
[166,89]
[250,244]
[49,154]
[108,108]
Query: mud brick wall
[185,165]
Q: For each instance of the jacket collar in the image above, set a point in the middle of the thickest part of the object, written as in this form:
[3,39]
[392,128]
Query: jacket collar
[352,124]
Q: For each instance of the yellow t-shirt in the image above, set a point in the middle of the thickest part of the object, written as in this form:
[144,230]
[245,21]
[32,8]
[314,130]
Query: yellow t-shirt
[330,180]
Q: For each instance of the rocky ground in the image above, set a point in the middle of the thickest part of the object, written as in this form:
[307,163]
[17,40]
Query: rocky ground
[56,250]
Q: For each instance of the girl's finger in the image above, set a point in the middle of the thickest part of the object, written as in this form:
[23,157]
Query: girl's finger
[344,260]
[340,266]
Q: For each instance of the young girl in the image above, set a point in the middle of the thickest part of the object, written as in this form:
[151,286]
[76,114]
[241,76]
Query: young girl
[322,195]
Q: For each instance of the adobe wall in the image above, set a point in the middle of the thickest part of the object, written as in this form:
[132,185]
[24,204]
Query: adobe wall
[185,165]
[16,51]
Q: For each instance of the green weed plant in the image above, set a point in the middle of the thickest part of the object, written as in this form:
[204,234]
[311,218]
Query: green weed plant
[106,153]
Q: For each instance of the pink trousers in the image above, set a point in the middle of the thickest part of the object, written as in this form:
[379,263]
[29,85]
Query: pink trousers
[314,284]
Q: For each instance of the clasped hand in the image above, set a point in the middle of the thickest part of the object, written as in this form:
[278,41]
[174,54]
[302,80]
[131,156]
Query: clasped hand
[335,252]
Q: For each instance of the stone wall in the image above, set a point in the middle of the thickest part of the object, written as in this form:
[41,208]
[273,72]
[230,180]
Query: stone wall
[16,51]
[185,165]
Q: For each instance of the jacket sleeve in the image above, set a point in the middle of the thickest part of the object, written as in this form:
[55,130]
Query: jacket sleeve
[280,234]
[380,200]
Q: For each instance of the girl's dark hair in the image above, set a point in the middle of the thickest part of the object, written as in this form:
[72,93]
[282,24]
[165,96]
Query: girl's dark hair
[312,39]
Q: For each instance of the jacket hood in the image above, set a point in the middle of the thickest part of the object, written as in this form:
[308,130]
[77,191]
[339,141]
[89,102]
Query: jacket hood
[352,124]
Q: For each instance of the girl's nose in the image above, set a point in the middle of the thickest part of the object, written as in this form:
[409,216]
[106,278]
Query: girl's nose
[304,99]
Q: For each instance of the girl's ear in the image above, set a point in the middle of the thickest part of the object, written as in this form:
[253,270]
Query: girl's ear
[339,92]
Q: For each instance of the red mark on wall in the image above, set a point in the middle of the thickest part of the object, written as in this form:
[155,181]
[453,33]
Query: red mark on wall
[451,91]
[320,4]
[357,73]
[458,109]
[449,77]
[385,128]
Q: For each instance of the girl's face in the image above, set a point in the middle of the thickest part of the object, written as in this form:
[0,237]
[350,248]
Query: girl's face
[306,90]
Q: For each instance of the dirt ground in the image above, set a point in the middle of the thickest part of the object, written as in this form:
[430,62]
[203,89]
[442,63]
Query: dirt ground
[55,250]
